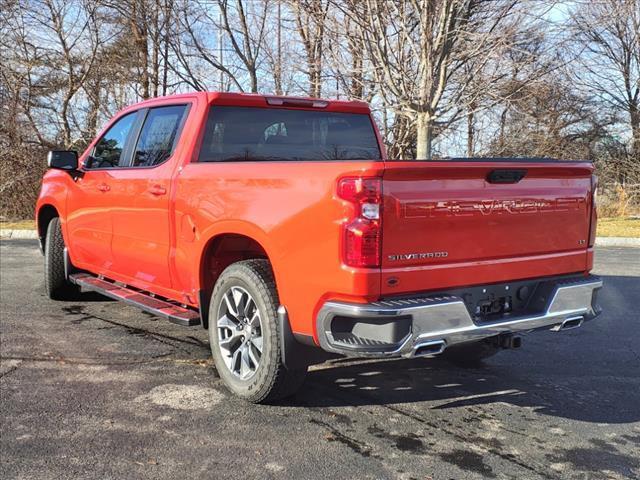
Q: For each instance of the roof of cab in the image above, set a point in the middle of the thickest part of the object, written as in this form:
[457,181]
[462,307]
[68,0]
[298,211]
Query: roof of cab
[269,101]
[264,101]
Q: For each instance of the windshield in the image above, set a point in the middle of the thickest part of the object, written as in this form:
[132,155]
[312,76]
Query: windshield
[250,134]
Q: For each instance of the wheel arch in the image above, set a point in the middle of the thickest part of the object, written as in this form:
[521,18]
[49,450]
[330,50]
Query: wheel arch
[46,213]
[220,251]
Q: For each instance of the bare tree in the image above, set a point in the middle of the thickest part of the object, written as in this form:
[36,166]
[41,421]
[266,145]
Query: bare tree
[533,55]
[346,56]
[419,46]
[76,67]
[607,33]
[247,40]
[247,43]
[551,119]
[139,16]
[310,20]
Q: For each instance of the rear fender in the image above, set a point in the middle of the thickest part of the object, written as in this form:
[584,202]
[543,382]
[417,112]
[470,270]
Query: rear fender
[219,230]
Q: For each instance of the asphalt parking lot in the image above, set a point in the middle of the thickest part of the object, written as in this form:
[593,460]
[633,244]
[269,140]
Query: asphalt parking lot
[97,389]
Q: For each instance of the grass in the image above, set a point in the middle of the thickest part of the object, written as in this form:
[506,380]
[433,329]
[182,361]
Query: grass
[607,227]
[18,225]
[619,227]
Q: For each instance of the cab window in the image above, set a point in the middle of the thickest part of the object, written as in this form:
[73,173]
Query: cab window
[158,136]
[108,151]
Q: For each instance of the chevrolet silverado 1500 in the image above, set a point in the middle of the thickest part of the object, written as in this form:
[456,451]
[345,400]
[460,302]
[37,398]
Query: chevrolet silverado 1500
[279,225]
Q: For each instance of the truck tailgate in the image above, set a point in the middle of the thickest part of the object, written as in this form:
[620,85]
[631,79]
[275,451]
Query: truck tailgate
[455,223]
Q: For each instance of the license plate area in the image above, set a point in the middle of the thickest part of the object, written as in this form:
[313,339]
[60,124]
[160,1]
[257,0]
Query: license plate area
[492,306]
[500,301]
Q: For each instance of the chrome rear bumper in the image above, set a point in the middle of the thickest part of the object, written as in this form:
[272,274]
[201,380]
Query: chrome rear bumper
[437,322]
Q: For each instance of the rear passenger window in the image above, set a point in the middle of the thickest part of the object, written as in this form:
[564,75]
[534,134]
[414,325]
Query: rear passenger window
[158,136]
[108,150]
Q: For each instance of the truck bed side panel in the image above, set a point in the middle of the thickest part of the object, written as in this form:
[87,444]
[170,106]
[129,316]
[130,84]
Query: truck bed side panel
[291,209]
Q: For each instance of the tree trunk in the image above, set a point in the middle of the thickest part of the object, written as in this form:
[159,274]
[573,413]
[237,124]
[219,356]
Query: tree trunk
[424,133]
[143,51]
[634,113]
[155,55]
[94,108]
[316,81]
[66,126]
[503,125]
[277,73]
[168,7]
[470,135]
[357,74]
[140,33]
[254,80]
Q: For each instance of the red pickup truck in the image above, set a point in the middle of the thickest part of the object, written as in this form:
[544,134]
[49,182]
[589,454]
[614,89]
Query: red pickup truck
[279,225]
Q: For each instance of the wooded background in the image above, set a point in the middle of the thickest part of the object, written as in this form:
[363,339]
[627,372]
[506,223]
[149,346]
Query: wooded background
[444,77]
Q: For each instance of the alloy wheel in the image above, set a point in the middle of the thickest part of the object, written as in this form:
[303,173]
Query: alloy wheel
[240,332]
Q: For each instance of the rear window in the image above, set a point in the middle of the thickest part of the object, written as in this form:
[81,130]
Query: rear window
[158,136]
[253,134]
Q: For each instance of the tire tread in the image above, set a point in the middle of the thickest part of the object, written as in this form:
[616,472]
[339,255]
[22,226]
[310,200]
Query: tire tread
[55,281]
[280,381]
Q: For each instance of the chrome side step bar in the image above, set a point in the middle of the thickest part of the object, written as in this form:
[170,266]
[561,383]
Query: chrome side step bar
[173,312]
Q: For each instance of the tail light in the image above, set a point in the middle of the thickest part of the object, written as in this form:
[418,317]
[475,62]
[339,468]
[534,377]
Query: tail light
[362,235]
[594,210]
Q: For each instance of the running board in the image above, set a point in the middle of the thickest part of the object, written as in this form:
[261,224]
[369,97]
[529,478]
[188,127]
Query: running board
[171,311]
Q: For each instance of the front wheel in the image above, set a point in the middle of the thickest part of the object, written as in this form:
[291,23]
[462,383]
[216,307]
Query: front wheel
[244,334]
[55,280]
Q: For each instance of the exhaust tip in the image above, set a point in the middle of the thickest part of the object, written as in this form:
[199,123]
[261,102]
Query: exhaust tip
[570,323]
[431,348]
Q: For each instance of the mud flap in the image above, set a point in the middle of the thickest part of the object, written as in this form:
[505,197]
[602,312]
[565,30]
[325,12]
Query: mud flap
[296,355]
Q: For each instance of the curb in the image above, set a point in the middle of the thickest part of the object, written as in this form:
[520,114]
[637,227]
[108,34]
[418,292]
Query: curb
[6,233]
[17,234]
[617,242]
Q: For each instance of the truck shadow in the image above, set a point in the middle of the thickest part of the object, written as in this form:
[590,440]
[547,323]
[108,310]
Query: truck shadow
[589,374]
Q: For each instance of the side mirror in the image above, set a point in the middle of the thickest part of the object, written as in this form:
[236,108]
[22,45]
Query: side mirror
[63,160]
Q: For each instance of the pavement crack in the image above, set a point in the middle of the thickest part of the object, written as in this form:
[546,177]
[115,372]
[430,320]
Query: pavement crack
[336,435]
[161,358]
[439,427]
[159,337]
[462,438]
[199,342]
[10,370]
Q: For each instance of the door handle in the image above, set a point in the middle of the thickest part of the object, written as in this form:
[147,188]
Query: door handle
[103,187]
[157,190]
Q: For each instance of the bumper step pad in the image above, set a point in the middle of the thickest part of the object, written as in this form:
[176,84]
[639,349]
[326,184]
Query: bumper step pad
[162,308]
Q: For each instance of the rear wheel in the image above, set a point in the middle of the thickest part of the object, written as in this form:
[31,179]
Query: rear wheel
[55,281]
[244,334]
[473,354]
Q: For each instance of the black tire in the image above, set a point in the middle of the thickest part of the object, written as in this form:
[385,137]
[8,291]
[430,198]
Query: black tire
[55,282]
[271,380]
[470,355]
